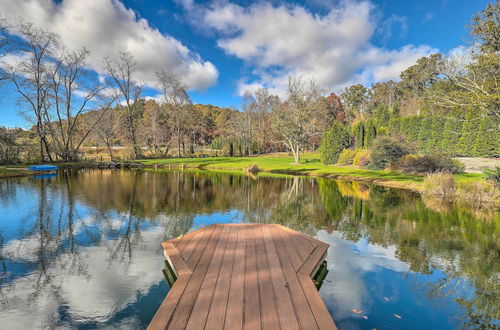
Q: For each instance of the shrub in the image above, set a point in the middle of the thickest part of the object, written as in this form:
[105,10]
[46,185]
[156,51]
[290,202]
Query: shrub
[493,175]
[335,140]
[253,169]
[346,157]
[439,185]
[432,163]
[478,194]
[386,151]
[362,157]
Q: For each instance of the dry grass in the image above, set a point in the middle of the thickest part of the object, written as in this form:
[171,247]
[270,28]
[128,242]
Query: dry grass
[478,194]
[440,185]
[440,191]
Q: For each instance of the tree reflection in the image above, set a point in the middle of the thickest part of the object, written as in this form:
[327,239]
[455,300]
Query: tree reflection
[462,246]
[113,209]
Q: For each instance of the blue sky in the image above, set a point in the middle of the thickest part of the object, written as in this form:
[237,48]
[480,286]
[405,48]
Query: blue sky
[221,49]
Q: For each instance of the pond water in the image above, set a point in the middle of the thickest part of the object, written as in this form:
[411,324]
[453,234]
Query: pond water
[81,249]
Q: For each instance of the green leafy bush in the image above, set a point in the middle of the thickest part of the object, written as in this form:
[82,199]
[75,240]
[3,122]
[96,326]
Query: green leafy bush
[335,140]
[493,175]
[362,157]
[386,151]
[432,163]
[346,157]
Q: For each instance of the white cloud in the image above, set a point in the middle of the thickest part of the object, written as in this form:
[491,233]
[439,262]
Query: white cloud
[335,49]
[107,26]
[87,283]
[393,22]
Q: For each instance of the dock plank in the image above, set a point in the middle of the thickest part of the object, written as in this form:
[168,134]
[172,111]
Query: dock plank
[243,276]
[188,299]
[268,309]
[234,312]
[301,305]
[251,304]
[219,301]
[286,313]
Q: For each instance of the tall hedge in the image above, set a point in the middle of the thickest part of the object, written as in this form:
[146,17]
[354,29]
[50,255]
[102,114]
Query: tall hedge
[334,141]
[371,133]
[455,136]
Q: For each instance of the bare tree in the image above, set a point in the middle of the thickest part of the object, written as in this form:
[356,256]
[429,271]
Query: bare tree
[265,103]
[122,73]
[177,103]
[470,82]
[157,132]
[106,128]
[30,77]
[294,118]
[74,91]
[244,123]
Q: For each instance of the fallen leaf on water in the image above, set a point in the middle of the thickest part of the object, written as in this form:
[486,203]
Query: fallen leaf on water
[398,316]
[386,299]
[365,317]
[357,311]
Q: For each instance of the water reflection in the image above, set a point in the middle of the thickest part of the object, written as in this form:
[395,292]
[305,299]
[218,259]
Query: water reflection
[82,249]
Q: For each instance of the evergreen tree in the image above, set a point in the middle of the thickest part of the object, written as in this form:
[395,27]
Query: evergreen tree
[452,132]
[381,115]
[487,142]
[393,126]
[359,134]
[424,134]
[470,129]
[335,140]
[370,133]
[436,134]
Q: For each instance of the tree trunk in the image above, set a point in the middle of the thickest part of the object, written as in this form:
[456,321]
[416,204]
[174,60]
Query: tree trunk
[42,156]
[296,155]
[47,149]
[110,152]
[191,146]
[178,144]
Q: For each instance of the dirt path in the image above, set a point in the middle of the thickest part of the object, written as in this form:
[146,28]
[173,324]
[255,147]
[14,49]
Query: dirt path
[477,164]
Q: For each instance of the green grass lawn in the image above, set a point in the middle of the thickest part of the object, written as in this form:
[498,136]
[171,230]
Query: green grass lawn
[283,164]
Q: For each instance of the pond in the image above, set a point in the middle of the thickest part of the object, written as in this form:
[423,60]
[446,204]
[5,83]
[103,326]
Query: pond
[81,249]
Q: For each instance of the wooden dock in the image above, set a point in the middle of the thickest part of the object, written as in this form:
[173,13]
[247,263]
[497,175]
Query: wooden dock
[244,276]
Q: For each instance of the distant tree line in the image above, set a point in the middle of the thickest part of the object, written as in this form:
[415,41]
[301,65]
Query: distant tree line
[442,104]
[447,104]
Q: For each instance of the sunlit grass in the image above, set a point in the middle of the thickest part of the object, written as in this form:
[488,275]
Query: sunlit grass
[283,164]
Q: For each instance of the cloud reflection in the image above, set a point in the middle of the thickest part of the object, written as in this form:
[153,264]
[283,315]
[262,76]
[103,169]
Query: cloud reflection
[93,290]
[348,262]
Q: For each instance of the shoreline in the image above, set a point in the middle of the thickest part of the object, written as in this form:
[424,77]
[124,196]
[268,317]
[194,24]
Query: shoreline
[409,185]
[277,164]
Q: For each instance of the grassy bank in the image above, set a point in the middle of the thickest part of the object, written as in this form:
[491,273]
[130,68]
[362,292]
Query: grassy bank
[14,172]
[273,164]
[310,165]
